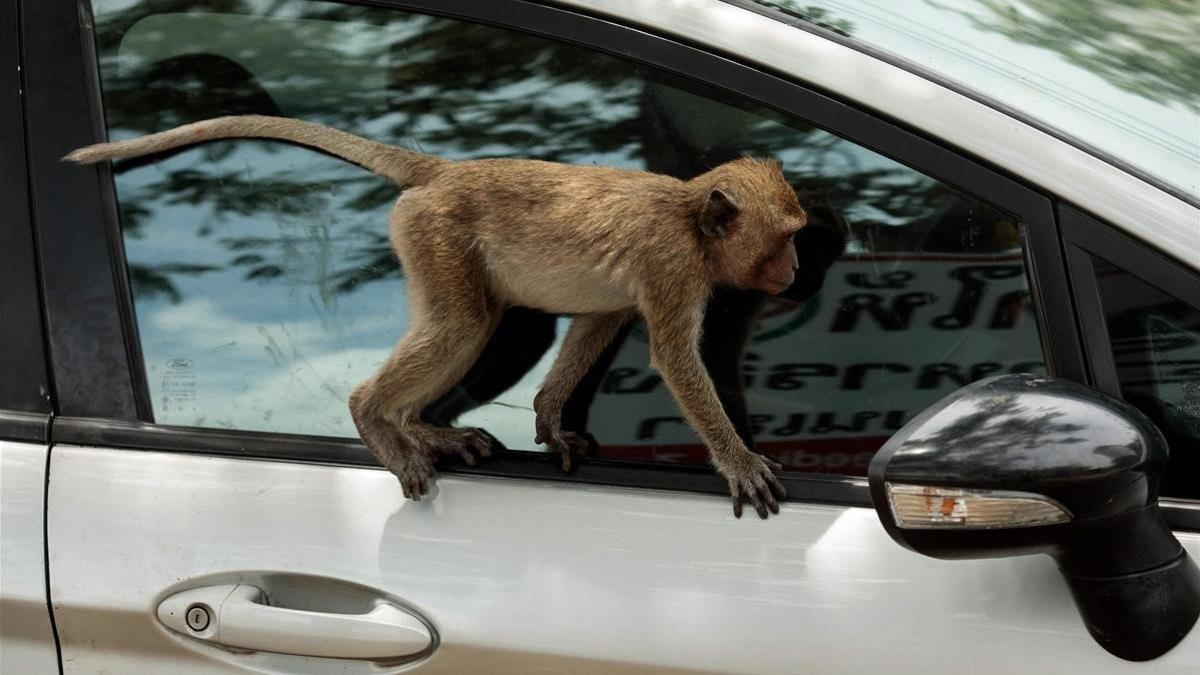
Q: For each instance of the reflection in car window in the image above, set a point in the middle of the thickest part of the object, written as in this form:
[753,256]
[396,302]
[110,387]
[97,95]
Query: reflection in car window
[1122,76]
[1156,349]
[265,288]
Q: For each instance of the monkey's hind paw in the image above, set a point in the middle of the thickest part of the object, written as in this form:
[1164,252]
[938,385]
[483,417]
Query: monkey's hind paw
[568,444]
[466,443]
[415,473]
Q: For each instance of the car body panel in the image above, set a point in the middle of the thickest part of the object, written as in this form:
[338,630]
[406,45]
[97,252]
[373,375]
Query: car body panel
[518,576]
[1073,174]
[26,635]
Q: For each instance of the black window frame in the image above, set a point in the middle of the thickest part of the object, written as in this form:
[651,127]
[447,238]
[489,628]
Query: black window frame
[103,399]
[25,389]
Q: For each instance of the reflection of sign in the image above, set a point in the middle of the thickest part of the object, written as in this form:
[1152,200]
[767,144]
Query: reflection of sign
[1189,407]
[828,381]
[177,389]
[1164,361]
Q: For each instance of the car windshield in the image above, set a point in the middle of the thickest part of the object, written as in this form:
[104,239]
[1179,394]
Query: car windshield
[1122,76]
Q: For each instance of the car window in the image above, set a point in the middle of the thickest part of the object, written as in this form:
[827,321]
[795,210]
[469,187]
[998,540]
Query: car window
[265,289]
[1156,349]
[1120,76]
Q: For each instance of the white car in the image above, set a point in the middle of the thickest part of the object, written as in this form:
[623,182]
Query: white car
[1018,185]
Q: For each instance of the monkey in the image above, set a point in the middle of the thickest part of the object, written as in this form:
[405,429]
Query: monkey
[671,145]
[601,244]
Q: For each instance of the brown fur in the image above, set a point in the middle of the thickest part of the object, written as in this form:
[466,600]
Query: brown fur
[598,243]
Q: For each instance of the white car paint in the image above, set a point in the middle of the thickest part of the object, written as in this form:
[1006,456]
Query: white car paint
[520,577]
[26,637]
[1137,207]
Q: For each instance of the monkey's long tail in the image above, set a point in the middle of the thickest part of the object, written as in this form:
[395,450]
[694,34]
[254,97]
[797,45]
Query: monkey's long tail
[403,166]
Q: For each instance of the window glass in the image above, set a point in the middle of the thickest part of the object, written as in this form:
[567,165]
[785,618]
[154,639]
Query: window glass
[265,288]
[1156,349]
[1120,75]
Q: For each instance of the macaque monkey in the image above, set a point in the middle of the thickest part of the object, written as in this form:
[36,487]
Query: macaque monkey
[684,145]
[601,244]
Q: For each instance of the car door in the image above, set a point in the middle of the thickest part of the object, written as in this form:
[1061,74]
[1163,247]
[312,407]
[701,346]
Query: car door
[208,313]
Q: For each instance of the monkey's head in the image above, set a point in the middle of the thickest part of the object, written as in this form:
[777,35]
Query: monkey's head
[747,218]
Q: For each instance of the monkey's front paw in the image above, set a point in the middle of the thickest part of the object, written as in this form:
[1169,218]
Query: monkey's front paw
[568,444]
[751,478]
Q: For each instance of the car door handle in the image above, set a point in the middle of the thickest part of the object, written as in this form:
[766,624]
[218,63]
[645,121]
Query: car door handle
[236,616]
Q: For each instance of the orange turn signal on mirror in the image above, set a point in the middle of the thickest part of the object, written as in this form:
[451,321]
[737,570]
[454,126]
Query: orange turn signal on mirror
[924,507]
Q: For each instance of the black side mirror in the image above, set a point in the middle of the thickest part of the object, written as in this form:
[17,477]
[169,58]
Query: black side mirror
[1020,464]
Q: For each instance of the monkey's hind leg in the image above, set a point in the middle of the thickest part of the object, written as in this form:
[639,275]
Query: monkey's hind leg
[386,409]
[588,335]
[450,325]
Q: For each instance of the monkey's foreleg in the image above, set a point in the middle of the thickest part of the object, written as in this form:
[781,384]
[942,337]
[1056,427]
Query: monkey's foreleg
[588,335]
[674,336]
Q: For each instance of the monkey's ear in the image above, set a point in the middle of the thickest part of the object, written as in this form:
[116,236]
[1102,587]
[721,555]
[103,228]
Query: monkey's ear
[717,214]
